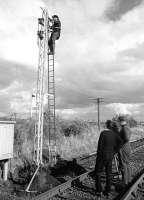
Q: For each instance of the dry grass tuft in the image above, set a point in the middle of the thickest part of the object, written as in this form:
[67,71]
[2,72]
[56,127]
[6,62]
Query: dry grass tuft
[78,145]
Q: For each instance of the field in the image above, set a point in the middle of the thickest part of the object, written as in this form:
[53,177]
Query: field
[73,138]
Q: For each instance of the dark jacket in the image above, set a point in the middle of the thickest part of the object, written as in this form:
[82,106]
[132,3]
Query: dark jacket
[125,151]
[109,143]
[56,27]
[125,134]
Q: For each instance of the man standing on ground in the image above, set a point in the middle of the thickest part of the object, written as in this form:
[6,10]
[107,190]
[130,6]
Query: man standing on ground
[125,152]
[107,145]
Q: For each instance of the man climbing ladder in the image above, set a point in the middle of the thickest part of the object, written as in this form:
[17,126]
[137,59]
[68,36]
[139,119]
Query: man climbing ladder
[55,29]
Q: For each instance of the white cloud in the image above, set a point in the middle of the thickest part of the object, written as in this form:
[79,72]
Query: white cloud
[88,112]
[120,108]
[67,113]
[19,30]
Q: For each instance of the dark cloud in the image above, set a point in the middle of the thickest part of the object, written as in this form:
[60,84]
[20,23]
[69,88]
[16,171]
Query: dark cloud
[121,7]
[137,52]
[10,72]
[113,87]
[6,74]
[5,103]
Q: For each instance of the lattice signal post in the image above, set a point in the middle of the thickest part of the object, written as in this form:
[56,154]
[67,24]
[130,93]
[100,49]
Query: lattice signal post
[45,74]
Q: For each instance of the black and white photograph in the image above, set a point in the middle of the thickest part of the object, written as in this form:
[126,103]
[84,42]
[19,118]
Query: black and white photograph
[71,100]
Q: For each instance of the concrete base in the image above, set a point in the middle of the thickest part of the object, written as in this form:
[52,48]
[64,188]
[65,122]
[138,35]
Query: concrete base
[5,171]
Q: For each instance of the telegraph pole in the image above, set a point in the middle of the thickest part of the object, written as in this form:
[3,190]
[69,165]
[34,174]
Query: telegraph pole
[98,101]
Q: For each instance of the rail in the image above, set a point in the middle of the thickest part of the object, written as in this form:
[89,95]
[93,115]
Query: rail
[135,190]
[60,188]
[136,145]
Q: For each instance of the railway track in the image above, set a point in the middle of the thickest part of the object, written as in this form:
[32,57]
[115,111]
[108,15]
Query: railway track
[136,191]
[82,187]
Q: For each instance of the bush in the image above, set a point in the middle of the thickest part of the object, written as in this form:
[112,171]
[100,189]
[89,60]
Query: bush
[74,127]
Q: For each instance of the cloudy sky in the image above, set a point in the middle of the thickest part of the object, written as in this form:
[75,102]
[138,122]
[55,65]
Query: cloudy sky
[100,54]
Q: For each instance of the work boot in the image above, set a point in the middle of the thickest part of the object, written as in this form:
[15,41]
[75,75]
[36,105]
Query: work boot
[106,194]
[50,53]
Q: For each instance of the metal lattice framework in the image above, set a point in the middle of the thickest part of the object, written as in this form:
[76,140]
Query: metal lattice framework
[46,63]
[42,44]
[45,74]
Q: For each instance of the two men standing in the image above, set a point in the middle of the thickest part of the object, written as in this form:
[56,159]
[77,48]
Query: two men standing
[112,141]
